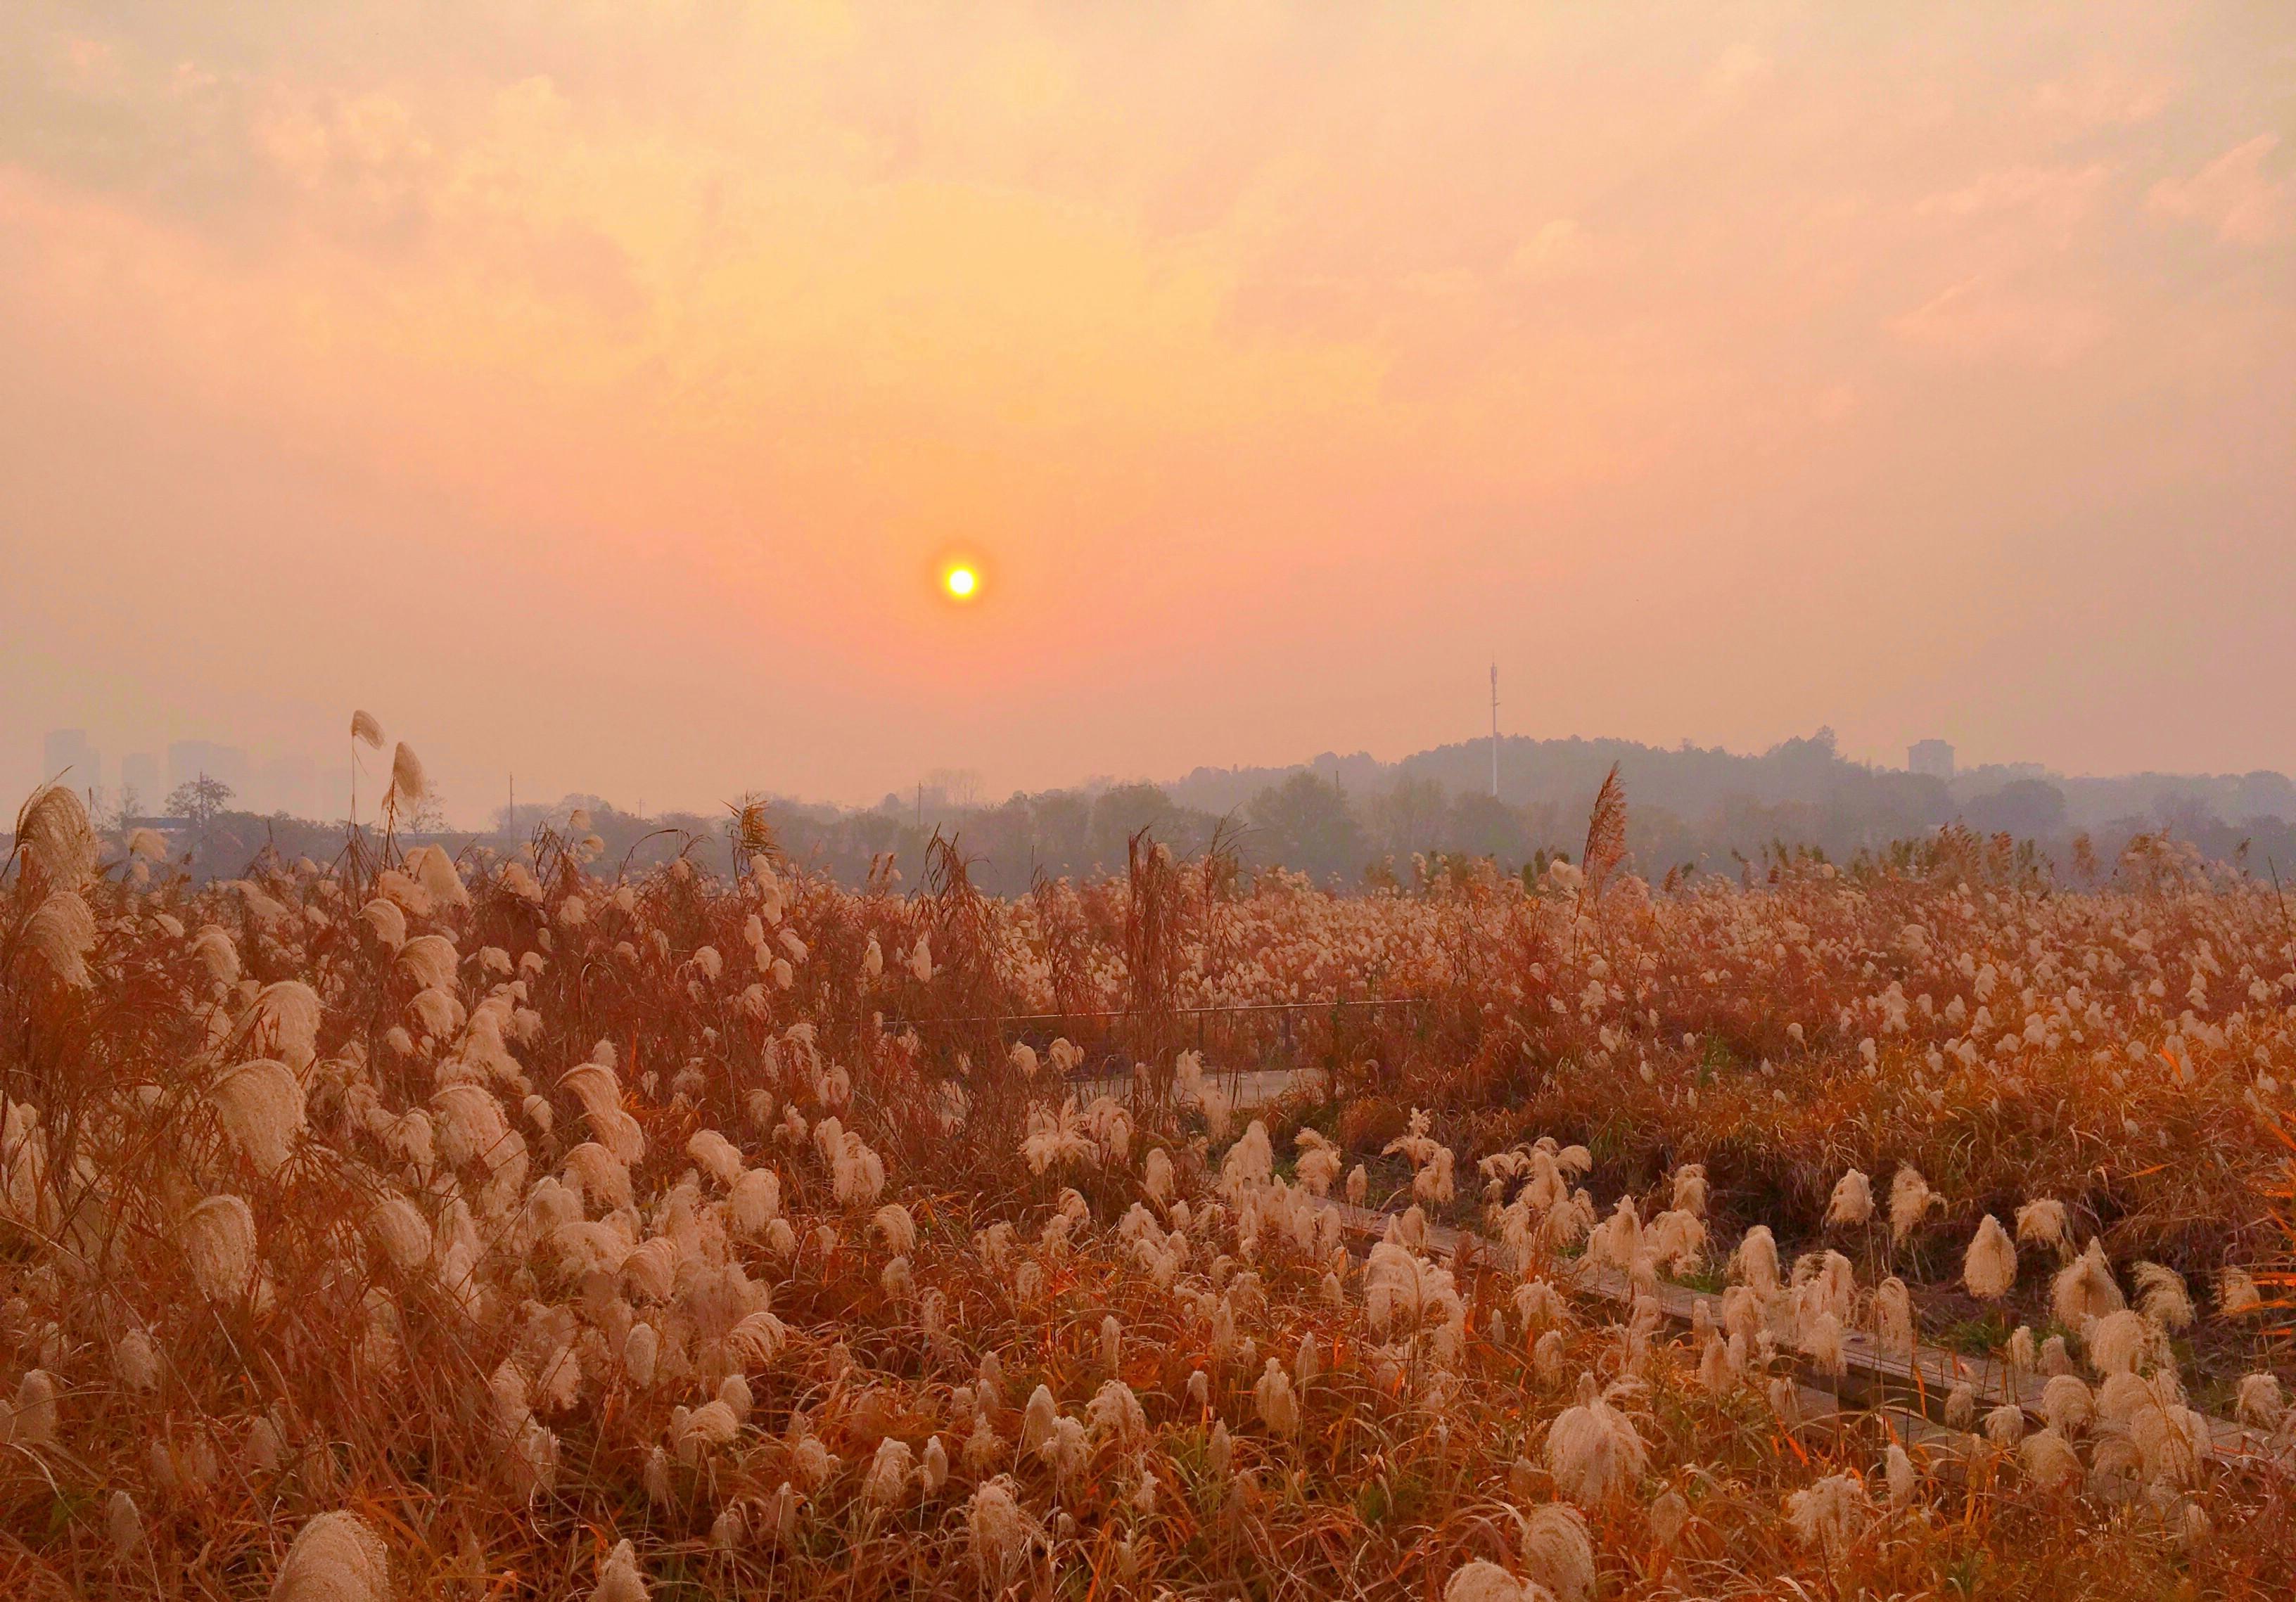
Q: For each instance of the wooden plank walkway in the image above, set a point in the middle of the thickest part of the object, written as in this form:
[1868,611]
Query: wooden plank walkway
[1908,1387]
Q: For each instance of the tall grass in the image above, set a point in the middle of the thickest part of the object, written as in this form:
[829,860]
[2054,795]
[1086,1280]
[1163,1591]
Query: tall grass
[757,1223]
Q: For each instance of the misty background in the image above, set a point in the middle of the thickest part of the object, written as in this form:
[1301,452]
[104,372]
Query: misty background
[1348,821]
[590,391]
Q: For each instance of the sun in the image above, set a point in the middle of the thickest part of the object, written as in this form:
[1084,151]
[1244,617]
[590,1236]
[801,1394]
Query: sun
[962,583]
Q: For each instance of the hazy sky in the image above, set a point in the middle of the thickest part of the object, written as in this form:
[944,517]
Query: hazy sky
[590,389]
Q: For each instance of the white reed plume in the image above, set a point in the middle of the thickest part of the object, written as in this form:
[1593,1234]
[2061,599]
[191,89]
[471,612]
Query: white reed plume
[754,1199]
[713,1423]
[53,829]
[388,920]
[1278,1405]
[641,1351]
[899,1229]
[1483,1581]
[1756,1260]
[1000,1530]
[1065,1449]
[2236,1293]
[1556,1552]
[1156,1176]
[61,933]
[2066,1403]
[2258,1399]
[135,1360]
[1116,1415]
[1830,1512]
[1960,1406]
[1899,1472]
[1989,1267]
[593,1084]
[619,1578]
[2119,1342]
[1689,1188]
[435,871]
[218,1241]
[2162,1296]
[717,1157]
[1547,1357]
[430,962]
[407,783]
[2004,1426]
[2022,1352]
[261,1106]
[2049,1459]
[335,1557]
[1038,1418]
[2085,1288]
[32,1418]
[2042,1221]
[1593,1451]
[651,1269]
[1910,1200]
[1669,1512]
[887,1480]
[1853,1199]
[1893,1314]
[285,1021]
[123,1522]
[983,1450]
[213,950]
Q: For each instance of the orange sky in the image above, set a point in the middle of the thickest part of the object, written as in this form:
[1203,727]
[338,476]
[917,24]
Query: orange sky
[598,397]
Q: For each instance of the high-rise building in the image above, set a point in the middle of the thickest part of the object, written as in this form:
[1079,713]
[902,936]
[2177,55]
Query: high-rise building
[66,755]
[287,784]
[189,759]
[1930,758]
[139,781]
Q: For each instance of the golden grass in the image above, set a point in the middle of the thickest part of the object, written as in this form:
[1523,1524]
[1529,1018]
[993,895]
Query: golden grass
[472,1392]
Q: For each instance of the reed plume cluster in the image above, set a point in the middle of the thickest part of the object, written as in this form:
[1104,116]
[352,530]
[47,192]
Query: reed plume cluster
[509,1226]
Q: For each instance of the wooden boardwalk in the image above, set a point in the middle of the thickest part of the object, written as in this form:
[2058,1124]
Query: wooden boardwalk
[1907,1388]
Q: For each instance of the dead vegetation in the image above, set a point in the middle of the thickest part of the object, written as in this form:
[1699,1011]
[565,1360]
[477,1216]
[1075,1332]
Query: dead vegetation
[412,1228]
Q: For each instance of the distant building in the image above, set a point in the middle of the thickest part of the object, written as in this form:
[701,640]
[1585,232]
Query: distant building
[66,753]
[139,777]
[288,784]
[1930,758]
[190,759]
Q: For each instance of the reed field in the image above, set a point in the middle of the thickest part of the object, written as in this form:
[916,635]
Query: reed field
[396,1226]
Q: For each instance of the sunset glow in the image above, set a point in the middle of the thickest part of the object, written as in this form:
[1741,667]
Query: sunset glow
[1690,354]
[1479,801]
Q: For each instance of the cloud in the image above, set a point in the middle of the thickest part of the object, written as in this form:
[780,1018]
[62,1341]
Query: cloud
[1978,319]
[1736,71]
[764,305]
[2101,95]
[2054,197]
[2233,194]
[1559,249]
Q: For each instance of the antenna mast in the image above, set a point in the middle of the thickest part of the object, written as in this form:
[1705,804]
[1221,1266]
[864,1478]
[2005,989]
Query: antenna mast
[1495,731]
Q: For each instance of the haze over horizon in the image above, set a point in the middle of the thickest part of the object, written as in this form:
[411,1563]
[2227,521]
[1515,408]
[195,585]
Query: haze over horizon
[595,398]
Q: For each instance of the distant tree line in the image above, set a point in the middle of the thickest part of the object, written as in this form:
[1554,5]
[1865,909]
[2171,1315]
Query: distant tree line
[1350,821]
